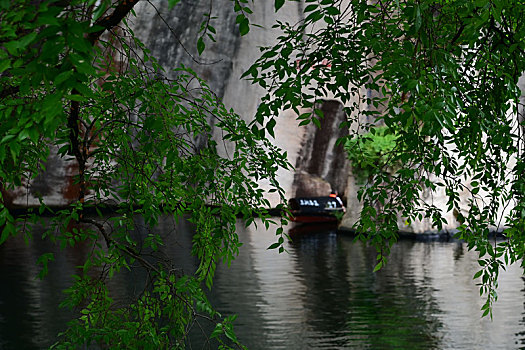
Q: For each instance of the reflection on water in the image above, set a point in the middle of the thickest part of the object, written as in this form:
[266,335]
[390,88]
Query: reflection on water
[29,313]
[324,295]
[321,294]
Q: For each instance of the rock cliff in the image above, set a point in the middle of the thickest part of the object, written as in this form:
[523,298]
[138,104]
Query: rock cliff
[171,36]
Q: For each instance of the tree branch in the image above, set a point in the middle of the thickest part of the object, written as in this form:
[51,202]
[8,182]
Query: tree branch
[76,149]
[109,21]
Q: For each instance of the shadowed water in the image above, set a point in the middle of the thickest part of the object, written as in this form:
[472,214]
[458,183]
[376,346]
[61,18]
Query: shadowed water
[321,294]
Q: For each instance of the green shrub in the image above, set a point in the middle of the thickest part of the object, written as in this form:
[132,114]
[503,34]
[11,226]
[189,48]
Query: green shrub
[370,151]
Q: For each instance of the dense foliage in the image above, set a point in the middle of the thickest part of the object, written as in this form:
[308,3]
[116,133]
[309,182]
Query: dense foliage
[74,80]
[443,76]
[370,151]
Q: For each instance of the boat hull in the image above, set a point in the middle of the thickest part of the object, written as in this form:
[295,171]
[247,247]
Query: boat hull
[307,219]
[315,209]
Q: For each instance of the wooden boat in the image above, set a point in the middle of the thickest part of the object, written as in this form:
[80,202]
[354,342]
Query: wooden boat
[316,209]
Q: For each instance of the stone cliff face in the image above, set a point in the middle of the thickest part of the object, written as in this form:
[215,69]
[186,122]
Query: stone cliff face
[321,165]
[55,185]
[171,36]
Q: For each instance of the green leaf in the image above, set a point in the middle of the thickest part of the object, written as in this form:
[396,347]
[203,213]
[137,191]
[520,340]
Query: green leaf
[101,9]
[278,4]
[244,26]
[478,274]
[305,122]
[82,64]
[311,8]
[59,79]
[418,19]
[270,125]
[12,47]
[200,45]
[26,40]
[332,10]
[274,245]
[7,138]
[75,97]
[4,64]
[8,230]
[317,122]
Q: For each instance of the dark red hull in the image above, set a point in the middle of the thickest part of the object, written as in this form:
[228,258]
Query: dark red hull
[313,218]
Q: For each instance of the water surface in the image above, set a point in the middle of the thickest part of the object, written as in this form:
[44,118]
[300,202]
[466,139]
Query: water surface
[321,294]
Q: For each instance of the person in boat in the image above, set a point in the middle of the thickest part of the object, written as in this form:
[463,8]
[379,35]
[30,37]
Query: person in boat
[334,194]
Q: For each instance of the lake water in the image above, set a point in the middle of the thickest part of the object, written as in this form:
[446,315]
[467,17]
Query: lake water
[322,294]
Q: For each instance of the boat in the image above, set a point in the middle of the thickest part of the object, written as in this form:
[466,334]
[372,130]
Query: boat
[316,209]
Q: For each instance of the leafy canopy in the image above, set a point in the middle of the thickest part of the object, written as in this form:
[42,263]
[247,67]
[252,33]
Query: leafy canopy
[442,76]
[75,81]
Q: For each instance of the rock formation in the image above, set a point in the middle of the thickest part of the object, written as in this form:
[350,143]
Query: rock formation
[171,36]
